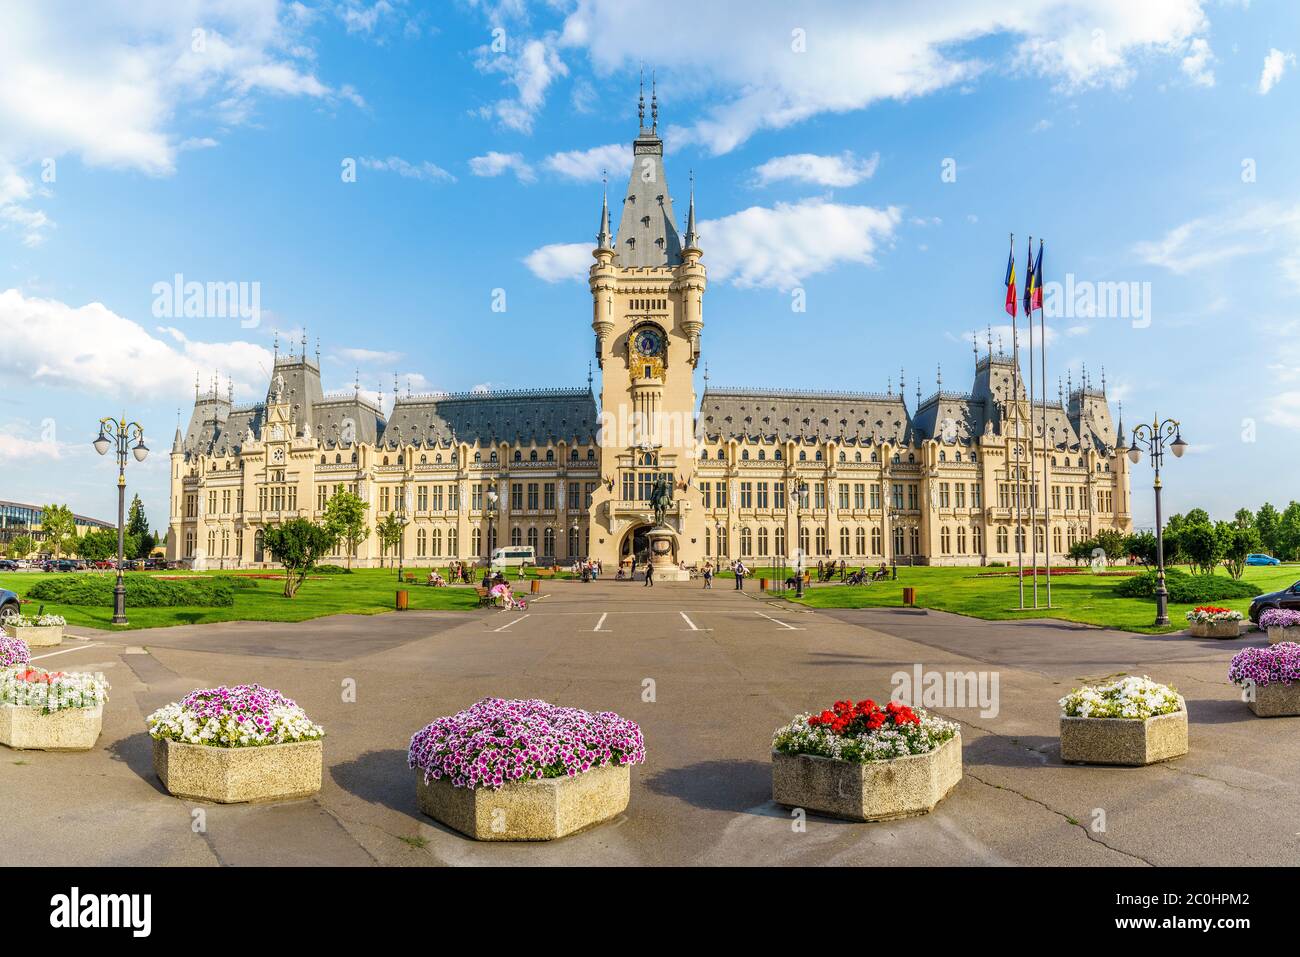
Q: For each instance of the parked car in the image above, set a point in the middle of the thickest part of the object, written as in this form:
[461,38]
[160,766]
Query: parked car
[1288,598]
[1255,558]
[60,565]
[8,565]
[8,604]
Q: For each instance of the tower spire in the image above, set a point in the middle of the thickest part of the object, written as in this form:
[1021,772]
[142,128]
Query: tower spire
[640,101]
[692,240]
[603,238]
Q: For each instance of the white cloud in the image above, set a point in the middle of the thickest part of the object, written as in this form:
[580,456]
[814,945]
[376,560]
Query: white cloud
[531,71]
[369,356]
[14,448]
[560,261]
[92,350]
[782,245]
[113,76]
[424,170]
[588,165]
[859,52]
[493,163]
[1196,65]
[1211,240]
[1275,64]
[845,169]
[767,247]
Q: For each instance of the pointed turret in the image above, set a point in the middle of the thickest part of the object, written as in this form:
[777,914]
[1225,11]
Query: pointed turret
[692,238]
[603,238]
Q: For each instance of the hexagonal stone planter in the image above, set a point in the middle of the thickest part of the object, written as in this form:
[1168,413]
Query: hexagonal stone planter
[269,772]
[534,809]
[1276,700]
[1278,634]
[1125,741]
[68,729]
[867,791]
[1214,629]
[36,636]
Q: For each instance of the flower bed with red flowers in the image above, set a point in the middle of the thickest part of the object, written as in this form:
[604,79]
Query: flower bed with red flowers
[864,731]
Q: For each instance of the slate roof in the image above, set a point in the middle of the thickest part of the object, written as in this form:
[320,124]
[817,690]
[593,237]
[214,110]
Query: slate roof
[647,230]
[524,416]
[780,415]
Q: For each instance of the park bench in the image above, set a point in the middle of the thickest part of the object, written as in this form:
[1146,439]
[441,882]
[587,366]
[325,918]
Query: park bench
[484,598]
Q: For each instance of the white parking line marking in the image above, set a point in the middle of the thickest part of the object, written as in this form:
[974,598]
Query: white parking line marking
[692,624]
[65,651]
[778,621]
[509,623]
[601,621]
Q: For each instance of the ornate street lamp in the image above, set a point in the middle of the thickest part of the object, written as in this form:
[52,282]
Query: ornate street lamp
[799,491]
[402,519]
[490,513]
[1153,438]
[119,432]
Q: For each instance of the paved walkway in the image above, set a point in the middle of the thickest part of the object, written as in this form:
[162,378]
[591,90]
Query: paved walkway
[726,669]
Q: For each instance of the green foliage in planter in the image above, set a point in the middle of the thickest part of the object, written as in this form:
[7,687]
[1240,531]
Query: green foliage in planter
[142,591]
[1186,589]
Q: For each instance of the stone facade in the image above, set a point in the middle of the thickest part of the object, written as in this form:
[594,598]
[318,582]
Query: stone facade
[935,482]
[1123,741]
[69,729]
[268,772]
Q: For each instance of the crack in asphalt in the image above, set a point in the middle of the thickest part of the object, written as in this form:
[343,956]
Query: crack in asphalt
[1065,817]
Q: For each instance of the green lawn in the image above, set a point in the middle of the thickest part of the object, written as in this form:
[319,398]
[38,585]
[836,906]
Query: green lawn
[1084,598]
[365,592]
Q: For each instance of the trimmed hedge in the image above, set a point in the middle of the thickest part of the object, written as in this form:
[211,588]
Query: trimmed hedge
[142,591]
[1185,589]
[330,570]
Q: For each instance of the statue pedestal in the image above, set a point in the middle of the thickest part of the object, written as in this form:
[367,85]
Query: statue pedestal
[661,539]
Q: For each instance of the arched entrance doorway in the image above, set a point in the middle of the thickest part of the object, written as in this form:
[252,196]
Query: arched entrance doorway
[636,545]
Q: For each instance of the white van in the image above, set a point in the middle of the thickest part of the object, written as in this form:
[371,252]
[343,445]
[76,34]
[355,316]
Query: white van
[514,556]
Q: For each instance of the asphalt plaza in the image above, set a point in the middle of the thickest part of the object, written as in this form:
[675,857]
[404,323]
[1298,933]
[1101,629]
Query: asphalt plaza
[708,675]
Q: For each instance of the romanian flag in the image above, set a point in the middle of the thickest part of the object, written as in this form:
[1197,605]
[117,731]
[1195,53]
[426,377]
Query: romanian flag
[1038,278]
[1034,281]
[1011,282]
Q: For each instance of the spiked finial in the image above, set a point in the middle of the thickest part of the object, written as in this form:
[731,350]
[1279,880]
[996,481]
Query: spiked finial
[356,382]
[1103,380]
[938,375]
[318,352]
[589,375]
[654,104]
[990,339]
[275,342]
[640,100]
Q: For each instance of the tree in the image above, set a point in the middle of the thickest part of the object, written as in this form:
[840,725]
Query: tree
[389,530]
[100,544]
[1237,542]
[1202,545]
[1288,532]
[22,546]
[1244,518]
[137,529]
[1268,522]
[59,528]
[1111,542]
[298,545]
[1082,551]
[345,516]
[1142,546]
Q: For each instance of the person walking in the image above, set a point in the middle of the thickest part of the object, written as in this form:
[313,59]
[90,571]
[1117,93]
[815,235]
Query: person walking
[708,576]
[741,572]
[649,575]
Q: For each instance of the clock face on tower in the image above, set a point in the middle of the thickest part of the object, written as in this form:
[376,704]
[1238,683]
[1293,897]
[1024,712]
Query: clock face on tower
[649,342]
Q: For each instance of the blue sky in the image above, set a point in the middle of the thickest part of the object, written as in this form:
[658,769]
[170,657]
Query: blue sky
[1148,143]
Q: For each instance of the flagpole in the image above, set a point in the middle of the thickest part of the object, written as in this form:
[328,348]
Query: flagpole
[1033,498]
[1047,476]
[1015,405]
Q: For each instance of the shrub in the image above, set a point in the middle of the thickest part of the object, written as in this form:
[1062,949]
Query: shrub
[1129,697]
[331,570]
[142,591]
[50,691]
[496,741]
[864,732]
[1185,589]
[13,651]
[1276,664]
[239,717]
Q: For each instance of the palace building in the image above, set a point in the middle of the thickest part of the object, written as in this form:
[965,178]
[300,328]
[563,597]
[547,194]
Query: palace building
[757,473]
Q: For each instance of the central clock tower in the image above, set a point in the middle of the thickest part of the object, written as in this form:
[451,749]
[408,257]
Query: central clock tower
[647,288]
